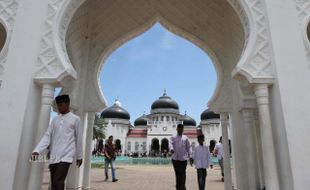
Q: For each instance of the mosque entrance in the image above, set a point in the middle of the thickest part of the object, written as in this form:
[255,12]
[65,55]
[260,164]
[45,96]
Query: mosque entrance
[155,147]
[164,146]
[90,30]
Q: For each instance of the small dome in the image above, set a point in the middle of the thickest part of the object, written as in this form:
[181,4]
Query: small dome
[141,121]
[208,114]
[115,111]
[188,121]
[165,102]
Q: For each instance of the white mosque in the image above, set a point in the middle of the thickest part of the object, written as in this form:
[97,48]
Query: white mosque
[150,133]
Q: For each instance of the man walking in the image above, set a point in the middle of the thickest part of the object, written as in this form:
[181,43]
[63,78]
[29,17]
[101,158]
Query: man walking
[202,160]
[181,150]
[109,153]
[219,151]
[64,139]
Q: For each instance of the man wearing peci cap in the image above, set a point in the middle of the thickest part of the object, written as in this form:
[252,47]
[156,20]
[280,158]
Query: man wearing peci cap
[181,150]
[64,139]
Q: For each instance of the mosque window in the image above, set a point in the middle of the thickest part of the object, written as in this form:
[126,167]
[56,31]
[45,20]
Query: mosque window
[162,118]
[129,146]
[144,146]
[167,118]
[3,36]
[136,146]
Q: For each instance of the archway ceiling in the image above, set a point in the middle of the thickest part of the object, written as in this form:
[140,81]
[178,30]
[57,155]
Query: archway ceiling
[105,21]
[100,26]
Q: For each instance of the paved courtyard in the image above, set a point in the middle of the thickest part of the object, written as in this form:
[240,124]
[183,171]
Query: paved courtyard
[133,177]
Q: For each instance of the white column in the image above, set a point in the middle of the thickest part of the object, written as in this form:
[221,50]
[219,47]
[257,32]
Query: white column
[75,174]
[259,156]
[248,118]
[227,167]
[269,160]
[88,150]
[36,171]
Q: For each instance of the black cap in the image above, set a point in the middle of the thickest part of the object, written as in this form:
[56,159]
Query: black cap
[180,126]
[62,98]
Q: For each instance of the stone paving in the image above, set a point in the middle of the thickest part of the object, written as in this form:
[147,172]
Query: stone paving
[141,177]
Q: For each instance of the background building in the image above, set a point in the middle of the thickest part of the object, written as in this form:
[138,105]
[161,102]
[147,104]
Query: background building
[150,134]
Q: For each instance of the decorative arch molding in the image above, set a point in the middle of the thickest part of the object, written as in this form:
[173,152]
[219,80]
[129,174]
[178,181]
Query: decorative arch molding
[255,63]
[8,11]
[60,13]
[303,13]
[53,63]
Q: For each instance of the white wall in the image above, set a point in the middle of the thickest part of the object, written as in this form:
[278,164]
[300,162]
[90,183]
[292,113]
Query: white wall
[19,97]
[290,94]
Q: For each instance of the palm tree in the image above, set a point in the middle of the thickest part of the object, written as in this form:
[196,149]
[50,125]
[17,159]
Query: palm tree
[99,127]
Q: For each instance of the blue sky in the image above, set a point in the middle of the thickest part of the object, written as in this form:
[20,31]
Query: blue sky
[139,71]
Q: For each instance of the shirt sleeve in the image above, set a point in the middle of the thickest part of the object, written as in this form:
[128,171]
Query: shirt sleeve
[45,141]
[79,139]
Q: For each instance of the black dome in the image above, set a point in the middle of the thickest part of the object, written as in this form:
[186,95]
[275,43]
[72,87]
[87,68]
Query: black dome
[115,111]
[188,121]
[208,114]
[141,121]
[165,102]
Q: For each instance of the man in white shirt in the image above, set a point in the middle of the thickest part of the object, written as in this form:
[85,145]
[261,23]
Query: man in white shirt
[219,151]
[181,150]
[64,139]
[202,160]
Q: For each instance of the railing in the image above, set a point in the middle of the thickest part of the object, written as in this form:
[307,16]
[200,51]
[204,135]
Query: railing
[123,160]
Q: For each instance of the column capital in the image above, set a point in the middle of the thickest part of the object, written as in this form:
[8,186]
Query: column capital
[47,95]
[223,118]
[262,94]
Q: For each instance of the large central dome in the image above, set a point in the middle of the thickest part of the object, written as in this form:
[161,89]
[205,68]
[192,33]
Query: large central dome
[165,102]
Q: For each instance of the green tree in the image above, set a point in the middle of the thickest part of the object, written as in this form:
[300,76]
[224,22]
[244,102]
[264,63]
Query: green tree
[99,127]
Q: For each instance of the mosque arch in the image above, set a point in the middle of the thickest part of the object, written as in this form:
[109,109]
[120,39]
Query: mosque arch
[155,145]
[164,147]
[84,34]
[224,46]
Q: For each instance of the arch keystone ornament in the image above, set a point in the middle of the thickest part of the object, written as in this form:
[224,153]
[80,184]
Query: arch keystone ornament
[256,61]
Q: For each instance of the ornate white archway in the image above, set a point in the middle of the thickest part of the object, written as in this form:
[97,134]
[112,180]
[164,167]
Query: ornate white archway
[81,34]
[254,62]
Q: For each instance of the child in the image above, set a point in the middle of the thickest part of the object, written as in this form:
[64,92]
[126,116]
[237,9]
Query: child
[202,160]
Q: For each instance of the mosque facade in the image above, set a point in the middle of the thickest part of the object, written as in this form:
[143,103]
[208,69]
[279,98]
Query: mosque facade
[150,133]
